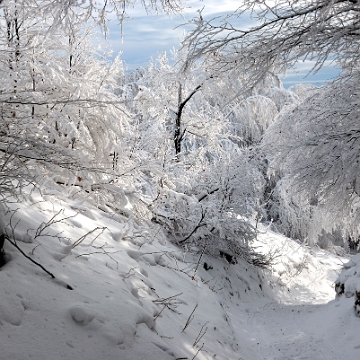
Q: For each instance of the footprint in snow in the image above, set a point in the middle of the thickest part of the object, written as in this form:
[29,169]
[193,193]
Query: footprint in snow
[75,223]
[135,255]
[83,314]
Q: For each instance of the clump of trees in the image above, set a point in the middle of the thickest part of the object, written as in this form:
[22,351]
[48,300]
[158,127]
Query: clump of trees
[311,148]
[154,144]
[207,189]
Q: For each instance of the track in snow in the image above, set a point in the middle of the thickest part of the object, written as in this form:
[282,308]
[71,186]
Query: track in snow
[284,333]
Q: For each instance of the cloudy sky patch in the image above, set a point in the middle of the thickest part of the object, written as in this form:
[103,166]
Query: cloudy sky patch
[145,36]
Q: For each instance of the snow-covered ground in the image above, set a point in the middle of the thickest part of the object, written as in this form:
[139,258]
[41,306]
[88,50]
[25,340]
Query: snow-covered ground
[137,296]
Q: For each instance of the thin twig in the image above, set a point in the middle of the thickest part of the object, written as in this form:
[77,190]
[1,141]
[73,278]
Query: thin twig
[201,334]
[199,225]
[82,238]
[166,300]
[13,242]
[198,263]
[198,351]
[165,306]
[51,222]
[188,321]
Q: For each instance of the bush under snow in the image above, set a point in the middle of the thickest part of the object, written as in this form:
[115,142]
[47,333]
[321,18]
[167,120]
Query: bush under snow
[348,282]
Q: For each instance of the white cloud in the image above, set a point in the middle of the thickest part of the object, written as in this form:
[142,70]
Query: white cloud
[212,7]
[145,36]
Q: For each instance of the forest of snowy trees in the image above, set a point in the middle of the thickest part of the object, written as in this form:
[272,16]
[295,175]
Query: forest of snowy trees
[206,141]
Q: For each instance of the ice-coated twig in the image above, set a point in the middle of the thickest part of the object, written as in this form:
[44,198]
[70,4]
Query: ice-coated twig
[198,351]
[190,318]
[201,334]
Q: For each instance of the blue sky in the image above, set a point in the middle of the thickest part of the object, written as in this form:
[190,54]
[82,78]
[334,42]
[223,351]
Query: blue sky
[144,36]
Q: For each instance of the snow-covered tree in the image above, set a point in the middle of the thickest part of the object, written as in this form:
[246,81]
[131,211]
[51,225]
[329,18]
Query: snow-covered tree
[60,117]
[312,144]
[176,107]
[207,189]
[315,145]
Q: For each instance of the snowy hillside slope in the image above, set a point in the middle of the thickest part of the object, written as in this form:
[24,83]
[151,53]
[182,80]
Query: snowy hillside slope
[137,296]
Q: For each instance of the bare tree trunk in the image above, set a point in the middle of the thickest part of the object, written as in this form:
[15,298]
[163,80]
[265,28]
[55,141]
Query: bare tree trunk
[13,41]
[179,132]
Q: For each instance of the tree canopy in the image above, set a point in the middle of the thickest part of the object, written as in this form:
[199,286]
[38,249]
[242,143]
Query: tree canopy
[311,147]
[280,34]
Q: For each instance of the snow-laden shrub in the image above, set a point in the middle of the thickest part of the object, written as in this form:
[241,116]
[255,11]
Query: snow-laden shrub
[251,117]
[193,221]
[211,208]
[348,282]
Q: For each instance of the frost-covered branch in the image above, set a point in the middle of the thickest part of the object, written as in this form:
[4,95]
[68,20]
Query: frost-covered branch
[315,146]
[279,34]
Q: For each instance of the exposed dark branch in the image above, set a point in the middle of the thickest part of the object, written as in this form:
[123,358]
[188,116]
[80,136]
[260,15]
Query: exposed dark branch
[13,242]
[198,226]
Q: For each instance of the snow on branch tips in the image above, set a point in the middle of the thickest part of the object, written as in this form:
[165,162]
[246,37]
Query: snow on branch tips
[276,35]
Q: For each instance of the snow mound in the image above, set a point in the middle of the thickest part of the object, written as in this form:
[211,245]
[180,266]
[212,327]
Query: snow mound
[83,315]
[121,290]
[300,274]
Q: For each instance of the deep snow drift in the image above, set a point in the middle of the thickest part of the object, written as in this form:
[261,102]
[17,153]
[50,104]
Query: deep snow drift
[137,296]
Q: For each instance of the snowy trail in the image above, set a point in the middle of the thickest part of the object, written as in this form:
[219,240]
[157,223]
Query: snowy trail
[298,319]
[284,332]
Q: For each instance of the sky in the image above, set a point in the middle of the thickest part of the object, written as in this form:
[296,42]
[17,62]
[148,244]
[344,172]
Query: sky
[144,36]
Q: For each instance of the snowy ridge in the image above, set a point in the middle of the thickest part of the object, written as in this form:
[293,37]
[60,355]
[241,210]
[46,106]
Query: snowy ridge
[137,296]
[133,292]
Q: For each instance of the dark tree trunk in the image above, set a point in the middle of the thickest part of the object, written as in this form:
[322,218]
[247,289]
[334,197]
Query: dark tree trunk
[2,252]
[179,132]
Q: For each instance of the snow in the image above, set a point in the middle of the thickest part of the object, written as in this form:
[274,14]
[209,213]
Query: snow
[137,296]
